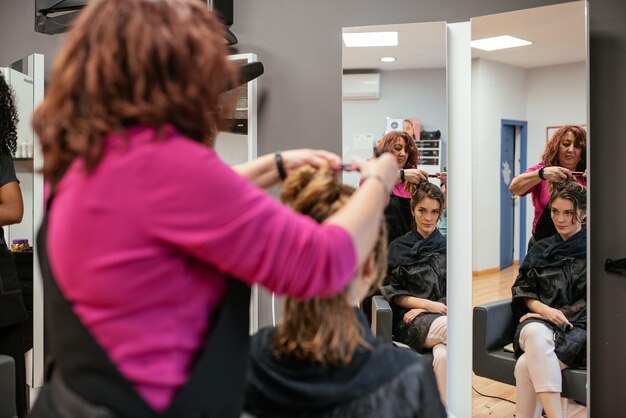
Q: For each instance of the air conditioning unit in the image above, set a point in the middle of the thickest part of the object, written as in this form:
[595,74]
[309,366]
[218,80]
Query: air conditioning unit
[361,86]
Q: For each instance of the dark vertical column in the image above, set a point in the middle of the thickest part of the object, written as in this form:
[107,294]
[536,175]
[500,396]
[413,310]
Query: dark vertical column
[607,205]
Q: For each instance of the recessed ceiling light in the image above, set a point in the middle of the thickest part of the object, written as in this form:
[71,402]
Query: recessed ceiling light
[499,42]
[364,39]
[388,59]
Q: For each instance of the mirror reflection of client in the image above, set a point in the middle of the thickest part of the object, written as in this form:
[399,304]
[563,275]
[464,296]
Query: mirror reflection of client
[322,359]
[398,212]
[550,301]
[416,281]
[563,155]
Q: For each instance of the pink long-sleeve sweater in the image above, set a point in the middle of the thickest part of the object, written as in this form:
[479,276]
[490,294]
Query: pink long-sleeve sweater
[142,245]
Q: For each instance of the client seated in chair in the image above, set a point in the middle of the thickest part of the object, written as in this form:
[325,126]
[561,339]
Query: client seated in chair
[415,284]
[550,302]
[322,360]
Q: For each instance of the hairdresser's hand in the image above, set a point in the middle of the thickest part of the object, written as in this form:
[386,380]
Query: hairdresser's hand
[585,174]
[437,307]
[443,178]
[385,167]
[295,158]
[413,175]
[412,314]
[556,174]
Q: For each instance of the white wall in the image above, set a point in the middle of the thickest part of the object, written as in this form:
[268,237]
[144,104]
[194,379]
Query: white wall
[543,97]
[404,93]
[498,92]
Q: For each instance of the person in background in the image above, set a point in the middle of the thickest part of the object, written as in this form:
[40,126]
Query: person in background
[322,359]
[150,242]
[416,282]
[12,309]
[550,302]
[565,153]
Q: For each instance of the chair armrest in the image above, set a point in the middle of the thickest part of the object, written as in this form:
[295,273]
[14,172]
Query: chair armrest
[382,318]
[494,326]
[7,387]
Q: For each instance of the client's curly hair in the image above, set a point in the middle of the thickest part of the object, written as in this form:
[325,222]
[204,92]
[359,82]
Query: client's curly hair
[8,118]
[573,191]
[324,329]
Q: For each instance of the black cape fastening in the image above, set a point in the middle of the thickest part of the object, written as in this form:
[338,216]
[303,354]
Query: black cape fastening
[215,386]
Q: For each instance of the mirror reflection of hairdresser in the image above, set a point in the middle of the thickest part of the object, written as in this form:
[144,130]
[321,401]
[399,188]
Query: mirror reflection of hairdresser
[550,302]
[398,214]
[151,242]
[12,309]
[322,360]
[565,153]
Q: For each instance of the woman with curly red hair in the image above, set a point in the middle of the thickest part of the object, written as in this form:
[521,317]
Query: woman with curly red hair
[564,154]
[151,242]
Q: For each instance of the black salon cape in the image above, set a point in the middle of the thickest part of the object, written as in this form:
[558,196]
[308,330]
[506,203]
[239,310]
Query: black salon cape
[398,217]
[383,381]
[416,267]
[555,273]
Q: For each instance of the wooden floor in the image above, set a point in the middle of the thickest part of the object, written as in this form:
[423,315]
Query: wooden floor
[487,288]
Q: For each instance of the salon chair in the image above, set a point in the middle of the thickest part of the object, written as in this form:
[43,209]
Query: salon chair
[7,387]
[382,324]
[494,328]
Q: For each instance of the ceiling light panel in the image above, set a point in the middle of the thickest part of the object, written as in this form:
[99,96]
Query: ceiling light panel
[499,42]
[367,39]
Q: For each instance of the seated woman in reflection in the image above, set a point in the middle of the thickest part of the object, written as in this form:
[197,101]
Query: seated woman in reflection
[550,301]
[322,359]
[416,281]
[564,154]
[398,212]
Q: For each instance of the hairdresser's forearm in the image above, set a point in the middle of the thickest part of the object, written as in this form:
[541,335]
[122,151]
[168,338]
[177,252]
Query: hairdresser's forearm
[524,182]
[362,216]
[260,171]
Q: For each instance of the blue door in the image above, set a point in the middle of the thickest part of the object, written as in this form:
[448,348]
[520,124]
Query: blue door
[507,203]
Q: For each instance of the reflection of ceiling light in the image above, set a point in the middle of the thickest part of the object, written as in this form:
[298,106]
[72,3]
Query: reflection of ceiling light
[388,59]
[370,39]
[498,42]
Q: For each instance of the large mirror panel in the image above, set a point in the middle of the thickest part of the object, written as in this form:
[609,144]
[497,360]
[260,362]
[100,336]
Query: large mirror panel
[395,100]
[521,97]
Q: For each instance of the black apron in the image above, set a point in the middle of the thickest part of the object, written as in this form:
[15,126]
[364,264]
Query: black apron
[83,382]
[545,227]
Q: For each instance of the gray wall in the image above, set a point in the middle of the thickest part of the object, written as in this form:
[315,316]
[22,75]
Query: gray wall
[608,205]
[299,43]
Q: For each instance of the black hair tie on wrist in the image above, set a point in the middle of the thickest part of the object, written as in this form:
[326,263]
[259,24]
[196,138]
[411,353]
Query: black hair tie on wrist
[402,175]
[541,173]
[278,158]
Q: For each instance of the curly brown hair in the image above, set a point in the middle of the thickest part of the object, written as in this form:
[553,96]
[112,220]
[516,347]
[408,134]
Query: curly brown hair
[323,329]
[8,118]
[550,155]
[386,143]
[573,191]
[423,190]
[133,62]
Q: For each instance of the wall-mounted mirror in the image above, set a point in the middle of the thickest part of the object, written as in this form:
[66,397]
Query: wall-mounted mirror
[520,98]
[394,94]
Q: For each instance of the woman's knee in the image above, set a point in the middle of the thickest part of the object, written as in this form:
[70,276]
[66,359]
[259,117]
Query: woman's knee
[536,336]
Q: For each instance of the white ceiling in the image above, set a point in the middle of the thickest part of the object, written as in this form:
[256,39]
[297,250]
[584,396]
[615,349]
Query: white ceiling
[420,45]
[557,33]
